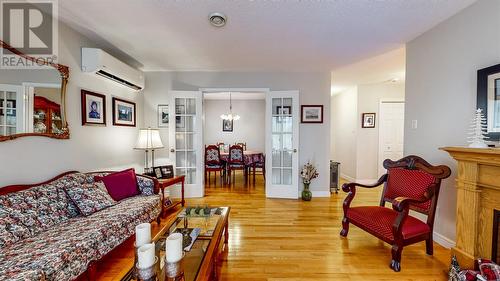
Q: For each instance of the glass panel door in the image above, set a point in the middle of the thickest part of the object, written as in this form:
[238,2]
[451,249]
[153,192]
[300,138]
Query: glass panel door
[282,144]
[186,139]
[11,103]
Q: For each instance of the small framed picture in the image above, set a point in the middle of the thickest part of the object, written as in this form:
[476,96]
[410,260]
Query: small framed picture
[163,116]
[312,114]
[157,171]
[284,110]
[227,125]
[368,120]
[93,108]
[164,172]
[123,112]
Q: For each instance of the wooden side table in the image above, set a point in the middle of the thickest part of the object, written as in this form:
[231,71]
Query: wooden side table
[164,183]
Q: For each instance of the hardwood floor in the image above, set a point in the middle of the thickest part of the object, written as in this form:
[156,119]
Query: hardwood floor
[278,239]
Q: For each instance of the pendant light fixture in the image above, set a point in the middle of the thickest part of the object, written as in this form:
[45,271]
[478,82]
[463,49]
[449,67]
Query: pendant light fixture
[230,116]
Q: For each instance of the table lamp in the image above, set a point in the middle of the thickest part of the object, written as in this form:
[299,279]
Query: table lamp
[149,139]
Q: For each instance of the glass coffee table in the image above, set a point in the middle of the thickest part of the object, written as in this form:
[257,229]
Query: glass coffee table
[200,262]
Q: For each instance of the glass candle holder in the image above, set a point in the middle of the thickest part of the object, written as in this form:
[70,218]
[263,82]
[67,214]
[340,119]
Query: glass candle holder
[136,259]
[175,270]
[148,273]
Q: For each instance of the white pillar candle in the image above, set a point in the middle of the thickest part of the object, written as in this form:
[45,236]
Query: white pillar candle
[146,255]
[142,234]
[174,247]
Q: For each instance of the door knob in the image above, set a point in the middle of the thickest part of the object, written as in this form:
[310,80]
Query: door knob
[294,150]
[172,150]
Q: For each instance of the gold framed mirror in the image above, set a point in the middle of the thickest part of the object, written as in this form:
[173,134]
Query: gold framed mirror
[33,101]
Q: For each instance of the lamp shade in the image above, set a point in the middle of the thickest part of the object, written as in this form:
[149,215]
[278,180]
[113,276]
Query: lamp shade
[149,139]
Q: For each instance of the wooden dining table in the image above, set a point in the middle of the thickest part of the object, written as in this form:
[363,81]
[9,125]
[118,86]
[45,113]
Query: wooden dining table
[250,156]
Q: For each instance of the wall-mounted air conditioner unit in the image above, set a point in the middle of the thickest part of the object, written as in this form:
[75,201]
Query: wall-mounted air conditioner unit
[103,64]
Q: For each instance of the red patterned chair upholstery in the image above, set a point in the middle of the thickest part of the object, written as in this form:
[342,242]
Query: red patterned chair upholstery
[410,184]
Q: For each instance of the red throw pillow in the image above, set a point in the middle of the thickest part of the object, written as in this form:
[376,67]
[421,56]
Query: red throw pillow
[120,185]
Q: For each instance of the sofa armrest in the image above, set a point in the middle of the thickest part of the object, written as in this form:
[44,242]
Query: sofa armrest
[148,185]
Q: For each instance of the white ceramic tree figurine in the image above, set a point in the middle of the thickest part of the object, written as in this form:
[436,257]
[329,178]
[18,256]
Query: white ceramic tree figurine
[478,130]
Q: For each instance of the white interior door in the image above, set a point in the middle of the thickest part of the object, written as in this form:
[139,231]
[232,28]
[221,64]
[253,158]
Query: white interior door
[391,132]
[282,143]
[186,139]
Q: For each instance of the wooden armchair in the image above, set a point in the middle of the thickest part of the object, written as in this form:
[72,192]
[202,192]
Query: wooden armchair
[409,184]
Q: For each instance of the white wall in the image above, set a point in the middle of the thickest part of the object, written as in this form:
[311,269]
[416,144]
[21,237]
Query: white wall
[344,129]
[369,97]
[354,147]
[250,128]
[34,159]
[441,90]
[314,88]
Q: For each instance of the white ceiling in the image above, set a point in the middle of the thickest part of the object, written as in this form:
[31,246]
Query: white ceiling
[260,35]
[234,96]
[386,68]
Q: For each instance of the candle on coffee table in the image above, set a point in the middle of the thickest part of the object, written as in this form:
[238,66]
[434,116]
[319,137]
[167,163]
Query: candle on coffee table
[146,255]
[142,234]
[174,247]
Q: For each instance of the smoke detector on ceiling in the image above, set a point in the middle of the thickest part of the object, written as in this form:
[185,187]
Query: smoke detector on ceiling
[217,19]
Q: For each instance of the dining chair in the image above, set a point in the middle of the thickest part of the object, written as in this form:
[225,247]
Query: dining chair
[236,161]
[220,145]
[213,163]
[242,144]
[259,162]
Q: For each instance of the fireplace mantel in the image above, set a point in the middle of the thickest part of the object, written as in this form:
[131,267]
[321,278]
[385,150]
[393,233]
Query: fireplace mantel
[478,194]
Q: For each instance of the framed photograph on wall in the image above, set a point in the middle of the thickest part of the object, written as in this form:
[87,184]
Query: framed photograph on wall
[227,125]
[488,99]
[368,120]
[312,114]
[123,112]
[93,108]
[163,117]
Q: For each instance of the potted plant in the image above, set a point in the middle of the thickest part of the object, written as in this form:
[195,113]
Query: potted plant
[307,174]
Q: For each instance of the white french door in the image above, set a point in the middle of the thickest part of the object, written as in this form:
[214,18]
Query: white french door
[11,110]
[186,139]
[282,143]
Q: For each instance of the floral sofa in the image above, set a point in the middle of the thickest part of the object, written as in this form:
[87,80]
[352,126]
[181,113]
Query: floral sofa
[43,236]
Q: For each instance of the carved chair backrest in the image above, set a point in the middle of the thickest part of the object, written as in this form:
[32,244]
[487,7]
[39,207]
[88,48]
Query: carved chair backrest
[236,154]
[212,155]
[242,144]
[412,177]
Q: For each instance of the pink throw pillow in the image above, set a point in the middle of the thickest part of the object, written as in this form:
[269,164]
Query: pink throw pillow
[120,185]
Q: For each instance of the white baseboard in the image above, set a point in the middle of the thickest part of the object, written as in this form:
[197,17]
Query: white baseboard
[320,193]
[443,240]
[366,181]
[348,178]
[362,181]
